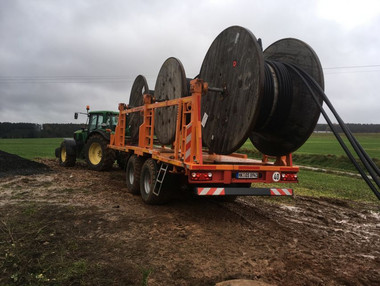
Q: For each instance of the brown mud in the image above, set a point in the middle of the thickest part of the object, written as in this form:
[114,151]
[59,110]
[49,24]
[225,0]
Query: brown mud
[90,219]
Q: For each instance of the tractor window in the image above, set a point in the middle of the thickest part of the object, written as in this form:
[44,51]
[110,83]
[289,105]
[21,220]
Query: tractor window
[96,121]
[114,120]
[92,122]
[100,121]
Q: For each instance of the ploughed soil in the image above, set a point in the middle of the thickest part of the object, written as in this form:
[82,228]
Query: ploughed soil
[72,226]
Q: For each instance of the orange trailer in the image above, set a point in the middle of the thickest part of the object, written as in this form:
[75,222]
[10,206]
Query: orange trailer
[150,164]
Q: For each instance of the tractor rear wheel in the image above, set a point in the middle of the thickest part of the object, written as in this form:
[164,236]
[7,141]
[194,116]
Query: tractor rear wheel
[98,156]
[133,172]
[65,159]
[148,182]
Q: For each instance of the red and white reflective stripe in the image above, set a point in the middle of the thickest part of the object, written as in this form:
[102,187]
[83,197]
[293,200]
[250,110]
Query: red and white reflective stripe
[281,192]
[188,142]
[211,192]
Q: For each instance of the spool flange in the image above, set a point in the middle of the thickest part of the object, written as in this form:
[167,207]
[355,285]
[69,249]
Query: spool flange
[171,83]
[235,62]
[139,88]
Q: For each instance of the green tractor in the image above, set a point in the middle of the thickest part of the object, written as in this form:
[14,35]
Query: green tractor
[90,143]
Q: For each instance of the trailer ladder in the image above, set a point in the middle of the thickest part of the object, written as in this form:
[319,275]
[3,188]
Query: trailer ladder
[160,179]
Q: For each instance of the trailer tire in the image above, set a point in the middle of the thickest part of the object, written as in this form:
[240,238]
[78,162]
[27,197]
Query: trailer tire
[98,156]
[147,182]
[133,172]
[65,159]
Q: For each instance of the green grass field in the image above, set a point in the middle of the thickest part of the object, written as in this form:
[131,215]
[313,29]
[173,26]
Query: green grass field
[321,150]
[31,148]
[327,144]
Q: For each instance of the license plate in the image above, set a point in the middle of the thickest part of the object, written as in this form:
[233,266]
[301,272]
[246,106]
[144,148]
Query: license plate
[247,175]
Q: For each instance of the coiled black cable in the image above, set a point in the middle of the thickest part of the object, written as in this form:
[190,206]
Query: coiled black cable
[277,100]
[369,165]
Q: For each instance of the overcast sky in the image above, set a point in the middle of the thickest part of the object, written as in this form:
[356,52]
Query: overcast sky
[58,56]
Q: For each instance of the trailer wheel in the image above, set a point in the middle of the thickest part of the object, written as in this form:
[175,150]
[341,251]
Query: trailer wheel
[133,173]
[147,182]
[98,156]
[65,159]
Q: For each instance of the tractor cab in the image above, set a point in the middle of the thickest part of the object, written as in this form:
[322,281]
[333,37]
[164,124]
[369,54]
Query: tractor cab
[102,120]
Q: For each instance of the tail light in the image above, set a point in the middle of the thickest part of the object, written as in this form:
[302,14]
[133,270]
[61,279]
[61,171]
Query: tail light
[201,176]
[289,177]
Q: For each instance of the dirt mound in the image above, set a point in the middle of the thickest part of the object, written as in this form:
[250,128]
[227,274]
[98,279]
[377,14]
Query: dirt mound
[11,165]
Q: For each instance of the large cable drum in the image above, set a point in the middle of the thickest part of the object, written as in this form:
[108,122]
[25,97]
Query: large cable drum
[139,88]
[171,84]
[234,62]
[289,113]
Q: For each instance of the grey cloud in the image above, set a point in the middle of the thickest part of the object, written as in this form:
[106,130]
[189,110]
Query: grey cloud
[57,45]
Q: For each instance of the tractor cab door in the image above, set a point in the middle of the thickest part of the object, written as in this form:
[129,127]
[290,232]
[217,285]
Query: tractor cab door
[95,122]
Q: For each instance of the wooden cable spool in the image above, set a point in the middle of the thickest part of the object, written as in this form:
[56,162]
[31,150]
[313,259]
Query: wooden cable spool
[263,100]
[289,120]
[234,62]
[171,83]
[139,88]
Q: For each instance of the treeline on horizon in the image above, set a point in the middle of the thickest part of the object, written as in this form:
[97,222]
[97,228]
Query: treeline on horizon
[32,130]
[60,130]
[354,128]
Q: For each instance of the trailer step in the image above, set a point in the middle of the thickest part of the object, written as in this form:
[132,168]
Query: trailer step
[243,191]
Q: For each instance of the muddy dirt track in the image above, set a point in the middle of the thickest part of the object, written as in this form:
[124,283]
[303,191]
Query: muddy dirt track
[190,241]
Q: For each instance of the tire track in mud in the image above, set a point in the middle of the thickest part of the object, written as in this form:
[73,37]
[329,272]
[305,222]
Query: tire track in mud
[343,235]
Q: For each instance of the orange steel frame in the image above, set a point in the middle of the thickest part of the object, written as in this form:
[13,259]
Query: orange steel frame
[187,153]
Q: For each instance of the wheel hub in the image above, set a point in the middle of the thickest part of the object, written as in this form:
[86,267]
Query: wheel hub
[147,183]
[95,153]
[63,154]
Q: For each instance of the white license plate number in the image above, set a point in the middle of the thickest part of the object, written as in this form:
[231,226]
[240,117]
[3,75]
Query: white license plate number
[247,175]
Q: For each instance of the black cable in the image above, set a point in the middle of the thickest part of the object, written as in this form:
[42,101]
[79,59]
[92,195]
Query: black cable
[366,160]
[373,165]
[277,101]
[368,163]
[359,150]
[267,101]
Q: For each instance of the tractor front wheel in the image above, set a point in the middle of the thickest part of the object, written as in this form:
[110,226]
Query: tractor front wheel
[98,156]
[65,159]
